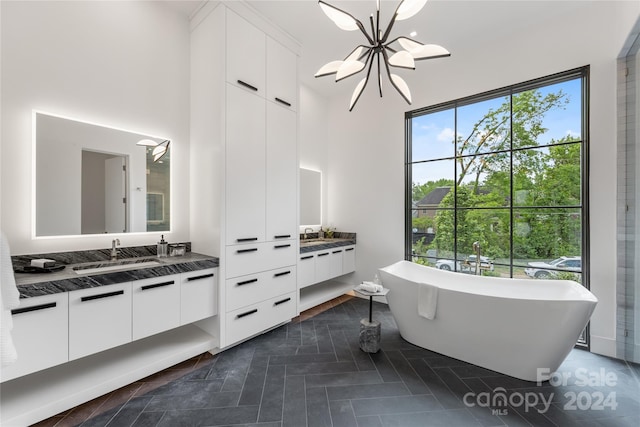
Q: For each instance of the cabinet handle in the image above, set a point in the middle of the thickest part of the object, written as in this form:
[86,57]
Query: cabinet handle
[204,276]
[282,101]
[326,253]
[246,313]
[107,295]
[247,239]
[247,85]
[246,282]
[242,251]
[282,301]
[33,308]
[156,285]
[284,273]
[281,246]
[306,257]
[337,252]
[349,249]
[282,236]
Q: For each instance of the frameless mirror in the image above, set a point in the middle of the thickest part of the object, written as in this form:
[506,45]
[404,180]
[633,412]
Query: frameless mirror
[310,197]
[92,179]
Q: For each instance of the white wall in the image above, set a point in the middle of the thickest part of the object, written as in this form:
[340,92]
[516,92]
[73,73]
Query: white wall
[366,146]
[121,64]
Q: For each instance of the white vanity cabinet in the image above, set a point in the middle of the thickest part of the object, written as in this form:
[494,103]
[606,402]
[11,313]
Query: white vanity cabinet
[316,269]
[99,319]
[39,334]
[156,305]
[198,295]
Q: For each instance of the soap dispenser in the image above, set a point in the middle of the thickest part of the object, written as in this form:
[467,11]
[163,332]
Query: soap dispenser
[163,247]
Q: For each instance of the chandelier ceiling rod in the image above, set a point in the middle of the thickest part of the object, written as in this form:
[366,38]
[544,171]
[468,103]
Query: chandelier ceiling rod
[405,57]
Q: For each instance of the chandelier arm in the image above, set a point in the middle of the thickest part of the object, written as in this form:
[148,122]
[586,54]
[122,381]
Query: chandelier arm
[377,33]
[379,76]
[373,28]
[365,32]
[370,61]
[386,63]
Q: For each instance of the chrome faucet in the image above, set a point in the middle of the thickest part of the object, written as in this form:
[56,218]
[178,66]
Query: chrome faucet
[114,251]
[304,236]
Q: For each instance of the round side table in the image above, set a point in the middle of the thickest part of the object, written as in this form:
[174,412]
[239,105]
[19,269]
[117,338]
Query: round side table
[369,328]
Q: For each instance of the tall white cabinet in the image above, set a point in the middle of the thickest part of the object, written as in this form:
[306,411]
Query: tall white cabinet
[244,165]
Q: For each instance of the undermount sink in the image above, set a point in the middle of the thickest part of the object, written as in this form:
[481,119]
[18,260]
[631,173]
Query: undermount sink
[125,264]
[318,241]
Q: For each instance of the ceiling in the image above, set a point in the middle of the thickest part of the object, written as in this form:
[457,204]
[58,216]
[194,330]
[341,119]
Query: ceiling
[458,25]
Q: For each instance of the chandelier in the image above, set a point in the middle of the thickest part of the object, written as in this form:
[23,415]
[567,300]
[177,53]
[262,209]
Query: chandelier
[377,47]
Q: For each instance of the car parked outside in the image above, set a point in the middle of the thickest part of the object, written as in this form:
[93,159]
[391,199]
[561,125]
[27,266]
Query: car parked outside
[547,270]
[467,266]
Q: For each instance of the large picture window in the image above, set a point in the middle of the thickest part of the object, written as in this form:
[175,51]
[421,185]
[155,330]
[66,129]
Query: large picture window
[496,184]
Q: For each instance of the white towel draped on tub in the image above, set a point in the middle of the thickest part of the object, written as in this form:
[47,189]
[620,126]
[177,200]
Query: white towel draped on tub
[9,298]
[427,300]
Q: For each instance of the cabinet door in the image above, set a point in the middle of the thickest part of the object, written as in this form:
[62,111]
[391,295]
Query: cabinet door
[246,52]
[245,167]
[199,296]
[336,262]
[99,319]
[349,260]
[282,173]
[40,334]
[306,270]
[156,305]
[323,266]
[282,75]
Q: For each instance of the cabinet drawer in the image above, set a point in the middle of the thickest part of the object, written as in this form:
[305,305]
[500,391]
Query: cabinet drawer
[199,295]
[253,319]
[39,334]
[246,290]
[256,257]
[156,305]
[99,318]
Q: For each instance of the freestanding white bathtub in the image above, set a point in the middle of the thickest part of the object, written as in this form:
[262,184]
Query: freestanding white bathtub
[512,326]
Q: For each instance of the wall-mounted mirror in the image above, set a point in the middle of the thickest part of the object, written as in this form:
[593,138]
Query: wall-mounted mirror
[310,197]
[92,179]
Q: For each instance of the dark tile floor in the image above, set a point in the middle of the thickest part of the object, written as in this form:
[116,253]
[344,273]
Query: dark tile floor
[311,372]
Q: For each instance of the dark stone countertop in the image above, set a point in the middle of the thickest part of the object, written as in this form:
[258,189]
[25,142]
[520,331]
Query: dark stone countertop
[319,245]
[67,280]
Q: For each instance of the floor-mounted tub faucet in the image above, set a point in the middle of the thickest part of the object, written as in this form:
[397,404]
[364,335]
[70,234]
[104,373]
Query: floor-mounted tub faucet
[114,251]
